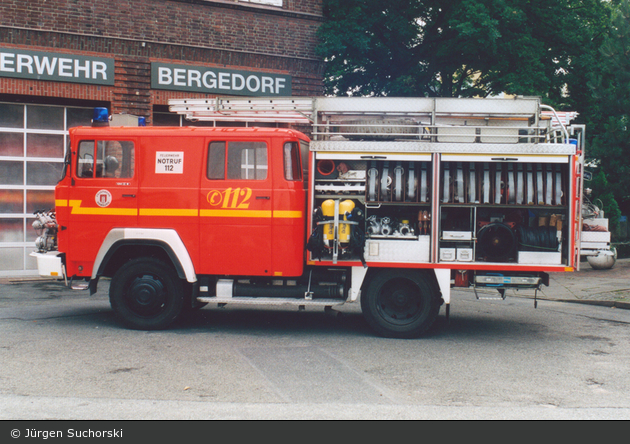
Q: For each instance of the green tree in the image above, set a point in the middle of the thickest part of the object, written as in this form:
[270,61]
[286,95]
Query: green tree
[605,199]
[454,48]
[609,115]
[575,54]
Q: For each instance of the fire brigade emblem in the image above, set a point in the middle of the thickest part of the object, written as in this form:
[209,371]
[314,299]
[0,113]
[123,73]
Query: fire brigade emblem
[103,198]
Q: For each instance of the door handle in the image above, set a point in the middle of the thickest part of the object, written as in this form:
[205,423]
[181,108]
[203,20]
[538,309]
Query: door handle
[263,197]
[128,195]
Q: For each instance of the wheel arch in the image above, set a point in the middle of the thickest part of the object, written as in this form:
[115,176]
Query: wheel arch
[123,244]
[429,273]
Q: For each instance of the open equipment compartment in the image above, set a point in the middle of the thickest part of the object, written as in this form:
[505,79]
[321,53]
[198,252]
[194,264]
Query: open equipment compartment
[383,203]
[504,209]
[433,181]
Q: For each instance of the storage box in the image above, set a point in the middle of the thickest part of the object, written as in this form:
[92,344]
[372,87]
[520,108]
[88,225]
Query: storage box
[448,254]
[595,245]
[397,250]
[465,254]
[602,222]
[48,264]
[457,235]
[595,236]
[540,257]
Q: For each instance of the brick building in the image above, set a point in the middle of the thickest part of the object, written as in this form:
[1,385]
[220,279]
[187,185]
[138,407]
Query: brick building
[61,58]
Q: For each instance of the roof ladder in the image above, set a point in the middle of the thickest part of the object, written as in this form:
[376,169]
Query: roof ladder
[273,110]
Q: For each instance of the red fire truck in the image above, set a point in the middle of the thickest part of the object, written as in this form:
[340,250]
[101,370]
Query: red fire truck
[388,203]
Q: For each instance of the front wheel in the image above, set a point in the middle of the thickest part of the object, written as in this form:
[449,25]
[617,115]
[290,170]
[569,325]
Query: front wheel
[146,294]
[400,303]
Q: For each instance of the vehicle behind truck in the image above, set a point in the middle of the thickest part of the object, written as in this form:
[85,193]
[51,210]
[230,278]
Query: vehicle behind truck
[383,202]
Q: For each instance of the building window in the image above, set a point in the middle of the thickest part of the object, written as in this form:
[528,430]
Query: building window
[32,147]
[166,119]
[265,2]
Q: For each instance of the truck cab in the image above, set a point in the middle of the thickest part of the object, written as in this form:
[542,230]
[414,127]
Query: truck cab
[204,201]
[229,195]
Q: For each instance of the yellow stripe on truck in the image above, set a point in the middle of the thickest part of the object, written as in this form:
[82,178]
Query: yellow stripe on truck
[287,214]
[169,212]
[179,212]
[236,213]
[78,209]
[251,213]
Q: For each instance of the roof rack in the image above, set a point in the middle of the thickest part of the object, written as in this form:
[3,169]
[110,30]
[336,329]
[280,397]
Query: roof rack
[430,120]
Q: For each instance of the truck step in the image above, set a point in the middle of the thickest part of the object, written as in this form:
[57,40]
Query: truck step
[245,300]
[487,297]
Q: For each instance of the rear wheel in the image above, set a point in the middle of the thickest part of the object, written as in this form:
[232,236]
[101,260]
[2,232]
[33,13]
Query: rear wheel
[400,303]
[146,294]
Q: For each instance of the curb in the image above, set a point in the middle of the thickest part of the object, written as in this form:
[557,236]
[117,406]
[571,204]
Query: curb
[611,304]
[19,280]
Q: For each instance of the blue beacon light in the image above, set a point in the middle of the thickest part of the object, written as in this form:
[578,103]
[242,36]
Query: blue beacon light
[100,117]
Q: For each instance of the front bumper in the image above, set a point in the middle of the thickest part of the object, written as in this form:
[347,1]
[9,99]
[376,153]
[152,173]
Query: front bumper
[49,263]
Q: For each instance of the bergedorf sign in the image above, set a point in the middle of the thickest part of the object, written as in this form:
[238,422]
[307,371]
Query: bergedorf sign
[218,80]
[59,67]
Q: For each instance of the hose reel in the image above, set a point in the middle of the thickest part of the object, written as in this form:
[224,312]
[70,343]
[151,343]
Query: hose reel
[538,238]
[496,242]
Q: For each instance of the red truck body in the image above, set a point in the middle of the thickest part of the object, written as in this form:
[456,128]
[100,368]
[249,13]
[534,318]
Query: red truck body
[387,202]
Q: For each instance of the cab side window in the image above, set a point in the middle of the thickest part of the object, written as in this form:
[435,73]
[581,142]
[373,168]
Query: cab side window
[106,159]
[85,159]
[292,170]
[216,160]
[237,161]
[115,159]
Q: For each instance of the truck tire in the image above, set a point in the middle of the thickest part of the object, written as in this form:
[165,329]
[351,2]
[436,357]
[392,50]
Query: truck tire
[400,303]
[146,294]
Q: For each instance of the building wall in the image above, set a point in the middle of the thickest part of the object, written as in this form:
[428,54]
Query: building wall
[241,35]
[222,33]
[227,25]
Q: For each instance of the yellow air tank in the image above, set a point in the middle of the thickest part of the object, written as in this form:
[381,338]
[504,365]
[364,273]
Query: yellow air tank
[328,211]
[345,208]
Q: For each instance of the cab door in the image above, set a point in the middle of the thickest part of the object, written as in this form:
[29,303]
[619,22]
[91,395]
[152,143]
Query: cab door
[102,196]
[235,208]
[169,183]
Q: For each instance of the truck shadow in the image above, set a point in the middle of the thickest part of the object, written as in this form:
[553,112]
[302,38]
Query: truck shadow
[272,321]
[259,321]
